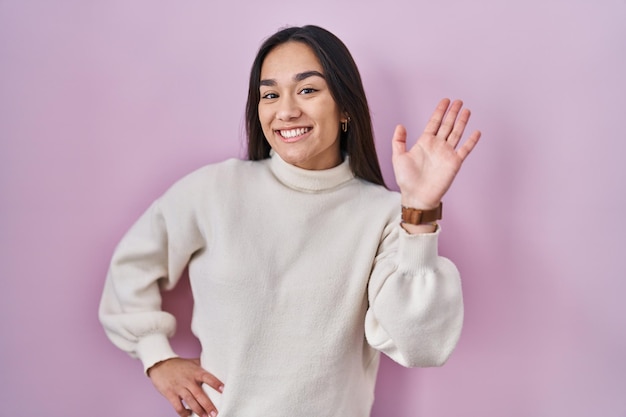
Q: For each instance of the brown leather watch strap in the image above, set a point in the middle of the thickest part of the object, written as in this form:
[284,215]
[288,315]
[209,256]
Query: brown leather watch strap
[417,216]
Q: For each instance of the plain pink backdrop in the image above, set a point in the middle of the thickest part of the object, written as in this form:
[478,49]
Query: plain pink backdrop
[104,104]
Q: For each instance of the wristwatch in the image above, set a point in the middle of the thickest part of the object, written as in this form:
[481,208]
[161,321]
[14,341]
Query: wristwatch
[416,216]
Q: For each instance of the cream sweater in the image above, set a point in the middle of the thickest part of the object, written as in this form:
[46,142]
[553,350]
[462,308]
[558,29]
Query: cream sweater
[300,278]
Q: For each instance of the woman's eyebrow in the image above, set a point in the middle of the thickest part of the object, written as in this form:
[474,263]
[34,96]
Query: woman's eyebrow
[298,77]
[304,75]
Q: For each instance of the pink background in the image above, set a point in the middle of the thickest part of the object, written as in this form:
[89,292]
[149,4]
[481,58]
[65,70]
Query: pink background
[105,104]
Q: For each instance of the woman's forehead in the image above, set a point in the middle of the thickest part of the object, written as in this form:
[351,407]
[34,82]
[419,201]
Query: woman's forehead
[288,60]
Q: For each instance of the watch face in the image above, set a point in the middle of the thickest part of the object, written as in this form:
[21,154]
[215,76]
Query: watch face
[411,215]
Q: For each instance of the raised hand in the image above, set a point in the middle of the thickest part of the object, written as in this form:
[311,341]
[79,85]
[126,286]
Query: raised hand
[426,171]
[179,380]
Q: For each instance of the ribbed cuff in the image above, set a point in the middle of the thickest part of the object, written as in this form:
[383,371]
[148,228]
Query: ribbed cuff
[417,252]
[154,348]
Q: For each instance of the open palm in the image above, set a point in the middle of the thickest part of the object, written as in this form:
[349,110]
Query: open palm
[426,171]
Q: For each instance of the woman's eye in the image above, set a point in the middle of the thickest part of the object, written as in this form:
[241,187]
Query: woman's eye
[307,90]
[269,96]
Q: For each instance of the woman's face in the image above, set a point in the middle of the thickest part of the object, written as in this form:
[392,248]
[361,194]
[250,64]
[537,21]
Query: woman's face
[298,114]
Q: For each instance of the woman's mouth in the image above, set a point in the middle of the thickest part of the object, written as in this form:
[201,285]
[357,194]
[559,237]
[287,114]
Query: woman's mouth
[293,135]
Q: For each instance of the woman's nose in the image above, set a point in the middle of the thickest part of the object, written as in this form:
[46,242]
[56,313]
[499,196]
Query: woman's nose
[287,109]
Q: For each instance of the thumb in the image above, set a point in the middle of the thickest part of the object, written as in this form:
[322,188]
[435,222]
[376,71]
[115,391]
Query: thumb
[398,142]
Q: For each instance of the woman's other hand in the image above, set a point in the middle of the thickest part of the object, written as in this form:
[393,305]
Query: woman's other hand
[180,381]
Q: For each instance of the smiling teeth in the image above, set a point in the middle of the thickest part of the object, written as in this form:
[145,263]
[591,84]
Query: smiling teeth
[294,132]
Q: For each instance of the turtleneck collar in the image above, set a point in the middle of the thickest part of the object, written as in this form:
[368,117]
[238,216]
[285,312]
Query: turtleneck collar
[310,180]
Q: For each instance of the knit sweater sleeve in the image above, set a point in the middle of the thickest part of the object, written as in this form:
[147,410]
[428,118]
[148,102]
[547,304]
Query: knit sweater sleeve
[150,257]
[415,312]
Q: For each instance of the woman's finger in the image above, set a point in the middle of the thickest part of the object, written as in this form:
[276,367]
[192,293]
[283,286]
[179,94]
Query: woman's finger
[449,120]
[469,145]
[203,401]
[434,123]
[459,127]
[178,405]
[398,141]
[192,403]
[213,382]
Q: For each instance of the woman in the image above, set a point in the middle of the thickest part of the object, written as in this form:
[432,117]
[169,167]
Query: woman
[301,267]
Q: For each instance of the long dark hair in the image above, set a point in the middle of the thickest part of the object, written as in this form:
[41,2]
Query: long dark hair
[346,87]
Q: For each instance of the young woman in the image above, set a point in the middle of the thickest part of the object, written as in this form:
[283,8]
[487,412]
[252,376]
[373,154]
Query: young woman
[303,266]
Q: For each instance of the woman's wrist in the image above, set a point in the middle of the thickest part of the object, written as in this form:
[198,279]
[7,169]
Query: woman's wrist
[420,216]
[408,200]
[417,220]
[417,229]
